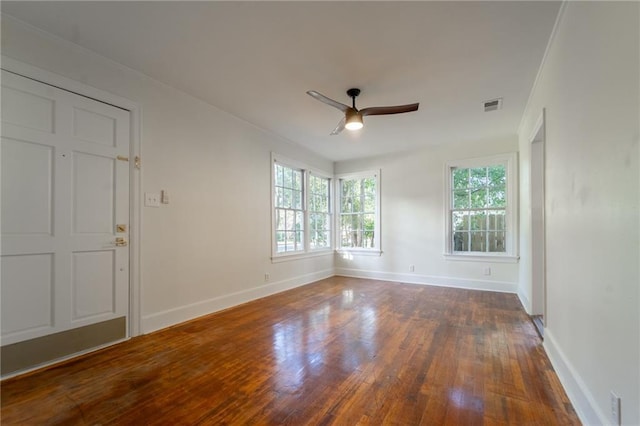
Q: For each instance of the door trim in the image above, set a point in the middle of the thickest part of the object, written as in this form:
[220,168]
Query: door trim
[538,136]
[135,178]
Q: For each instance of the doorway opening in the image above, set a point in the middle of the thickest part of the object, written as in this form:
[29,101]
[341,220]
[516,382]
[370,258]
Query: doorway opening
[538,268]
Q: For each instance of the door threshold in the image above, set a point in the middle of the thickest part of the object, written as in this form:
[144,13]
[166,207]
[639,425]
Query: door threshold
[538,323]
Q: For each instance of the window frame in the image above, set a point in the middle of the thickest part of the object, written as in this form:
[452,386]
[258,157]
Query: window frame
[510,255]
[307,171]
[377,249]
[309,175]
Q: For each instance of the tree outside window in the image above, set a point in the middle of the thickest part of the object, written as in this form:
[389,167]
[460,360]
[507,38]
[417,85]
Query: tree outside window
[479,209]
[358,212]
[301,203]
[319,212]
[289,213]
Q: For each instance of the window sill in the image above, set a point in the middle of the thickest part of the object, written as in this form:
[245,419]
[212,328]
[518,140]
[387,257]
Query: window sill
[358,252]
[297,256]
[482,258]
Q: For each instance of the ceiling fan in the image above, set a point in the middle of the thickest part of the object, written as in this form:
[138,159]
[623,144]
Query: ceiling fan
[352,119]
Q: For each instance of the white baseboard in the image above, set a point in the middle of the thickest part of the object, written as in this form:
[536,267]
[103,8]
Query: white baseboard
[583,401]
[174,316]
[500,286]
[525,301]
[180,314]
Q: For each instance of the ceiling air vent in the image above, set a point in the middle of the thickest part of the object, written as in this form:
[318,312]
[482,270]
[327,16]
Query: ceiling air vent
[492,105]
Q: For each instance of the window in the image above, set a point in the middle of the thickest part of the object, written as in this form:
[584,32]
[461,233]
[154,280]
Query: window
[480,207]
[301,209]
[319,213]
[359,212]
[289,213]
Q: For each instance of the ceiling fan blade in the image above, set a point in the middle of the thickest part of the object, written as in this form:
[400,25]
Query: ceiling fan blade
[398,109]
[339,127]
[328,101]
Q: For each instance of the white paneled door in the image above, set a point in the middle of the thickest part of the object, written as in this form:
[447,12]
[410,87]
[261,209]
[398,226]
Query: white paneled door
[65,210]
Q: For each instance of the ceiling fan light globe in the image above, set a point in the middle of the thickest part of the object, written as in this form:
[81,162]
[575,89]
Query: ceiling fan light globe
[353,121]
[354,125]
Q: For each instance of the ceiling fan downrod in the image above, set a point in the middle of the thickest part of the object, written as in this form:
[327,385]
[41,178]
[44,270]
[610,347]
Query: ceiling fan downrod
[353,94]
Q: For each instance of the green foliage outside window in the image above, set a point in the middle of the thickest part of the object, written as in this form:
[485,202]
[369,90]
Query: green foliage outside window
[358,212]
[289,214]
[478,209]
[319,213]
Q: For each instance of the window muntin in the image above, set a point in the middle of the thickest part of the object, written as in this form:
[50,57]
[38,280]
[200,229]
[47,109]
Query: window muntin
[481,209]
[478,209]
[301,209]
[358,212]
[288,208]
[319,212]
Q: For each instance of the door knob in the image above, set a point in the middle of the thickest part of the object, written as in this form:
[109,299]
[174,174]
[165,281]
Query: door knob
[121,242]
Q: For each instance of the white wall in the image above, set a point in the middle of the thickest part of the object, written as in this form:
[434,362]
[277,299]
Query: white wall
[196,259]
[413,217]
[589,87]
[211,246]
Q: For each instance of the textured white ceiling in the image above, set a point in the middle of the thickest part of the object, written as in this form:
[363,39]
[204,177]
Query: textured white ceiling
[256,60]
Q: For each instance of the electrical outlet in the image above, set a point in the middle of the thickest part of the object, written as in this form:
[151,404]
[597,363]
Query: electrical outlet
[266,277]
[616,409]
[487,271]
[151,199]
[412,268]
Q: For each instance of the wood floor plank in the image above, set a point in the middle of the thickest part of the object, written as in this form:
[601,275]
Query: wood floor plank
[341,351]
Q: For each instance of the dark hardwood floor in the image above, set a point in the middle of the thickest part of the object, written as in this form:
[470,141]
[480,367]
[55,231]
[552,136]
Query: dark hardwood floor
[340,351]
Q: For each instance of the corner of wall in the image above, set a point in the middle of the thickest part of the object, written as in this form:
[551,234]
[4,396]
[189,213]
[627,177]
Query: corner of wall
[582,400]
[552,37]
[440,281]
[169,317]
[524,300]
